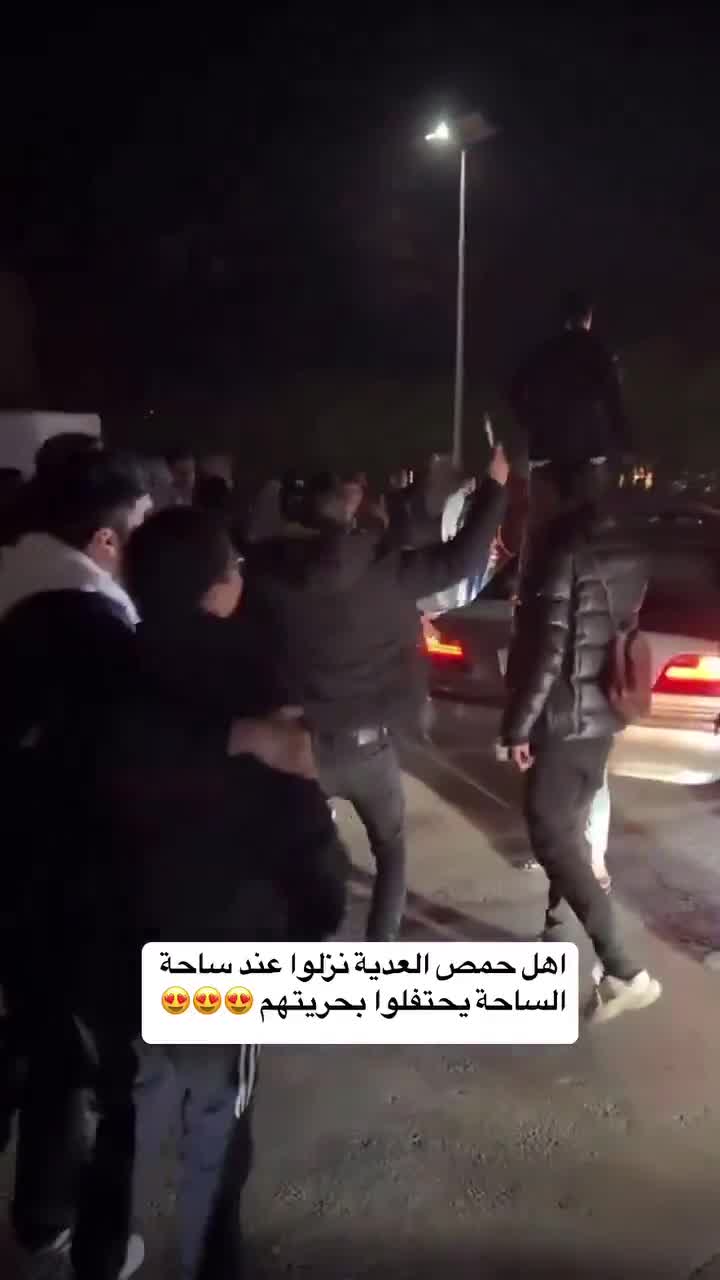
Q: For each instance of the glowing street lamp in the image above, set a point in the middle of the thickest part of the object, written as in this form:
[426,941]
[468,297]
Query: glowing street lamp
[441,133]
[463,133]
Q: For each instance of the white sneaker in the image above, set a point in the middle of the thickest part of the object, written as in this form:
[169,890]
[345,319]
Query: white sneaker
[613,996]
[53,1262]
[134,1257]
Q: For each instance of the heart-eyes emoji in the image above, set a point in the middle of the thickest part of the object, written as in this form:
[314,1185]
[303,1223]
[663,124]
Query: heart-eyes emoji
[207,1000]
[175,1000]
[239,1000]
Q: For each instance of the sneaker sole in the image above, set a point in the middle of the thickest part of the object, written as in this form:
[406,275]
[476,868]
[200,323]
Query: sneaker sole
[135,1257]
[614,1008]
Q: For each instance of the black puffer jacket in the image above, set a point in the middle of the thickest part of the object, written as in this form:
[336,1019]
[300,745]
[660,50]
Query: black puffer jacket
[563,630]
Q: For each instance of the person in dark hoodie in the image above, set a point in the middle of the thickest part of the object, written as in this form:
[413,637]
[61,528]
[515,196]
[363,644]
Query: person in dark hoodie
[66,626]
[180,795]
[344,608]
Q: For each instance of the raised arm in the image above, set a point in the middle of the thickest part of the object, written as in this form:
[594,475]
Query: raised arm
[431,569]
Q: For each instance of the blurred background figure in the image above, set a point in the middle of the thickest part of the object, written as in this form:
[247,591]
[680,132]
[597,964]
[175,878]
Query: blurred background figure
[214,494]
[397,502]
[355,491]
[219,465]
[160,483]
[265,515]
[279,504]
[400,481]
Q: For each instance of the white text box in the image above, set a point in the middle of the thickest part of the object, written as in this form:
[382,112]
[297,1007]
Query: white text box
[354,993]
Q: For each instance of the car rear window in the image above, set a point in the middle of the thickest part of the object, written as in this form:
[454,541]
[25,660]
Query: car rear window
[684,588]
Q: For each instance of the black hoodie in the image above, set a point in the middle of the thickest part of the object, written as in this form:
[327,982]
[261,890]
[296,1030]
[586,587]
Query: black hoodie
[175,840]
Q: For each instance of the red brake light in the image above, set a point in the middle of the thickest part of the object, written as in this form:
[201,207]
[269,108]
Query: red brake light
[436,647]
[692,674]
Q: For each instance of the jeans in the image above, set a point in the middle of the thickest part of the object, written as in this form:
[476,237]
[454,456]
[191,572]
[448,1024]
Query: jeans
[560,788]
[196,1085]
[143,1092]
[369,778]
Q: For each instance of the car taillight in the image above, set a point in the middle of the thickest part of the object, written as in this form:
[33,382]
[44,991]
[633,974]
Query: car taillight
[692,674]
[443,650]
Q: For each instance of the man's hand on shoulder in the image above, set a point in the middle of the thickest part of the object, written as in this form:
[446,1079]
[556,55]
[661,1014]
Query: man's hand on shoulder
[280,741]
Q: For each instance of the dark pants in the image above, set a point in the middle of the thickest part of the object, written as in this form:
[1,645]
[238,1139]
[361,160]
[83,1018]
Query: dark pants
[144,1094]
[369,778]
[559,792]
[47,1080]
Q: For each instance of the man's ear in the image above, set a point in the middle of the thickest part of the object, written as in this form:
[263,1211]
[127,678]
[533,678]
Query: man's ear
[104,546]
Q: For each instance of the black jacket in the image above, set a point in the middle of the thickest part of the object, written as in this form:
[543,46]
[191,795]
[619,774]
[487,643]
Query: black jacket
[171,839]
[344,607]
[568,401]
[61,654]
[563,630]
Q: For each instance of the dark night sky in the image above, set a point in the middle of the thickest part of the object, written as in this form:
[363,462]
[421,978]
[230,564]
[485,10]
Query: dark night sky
[227,195]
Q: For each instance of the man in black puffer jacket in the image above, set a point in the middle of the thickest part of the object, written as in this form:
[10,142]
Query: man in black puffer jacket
[559,724]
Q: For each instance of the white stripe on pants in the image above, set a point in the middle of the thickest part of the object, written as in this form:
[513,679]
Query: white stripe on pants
[597,831]
[197,1086]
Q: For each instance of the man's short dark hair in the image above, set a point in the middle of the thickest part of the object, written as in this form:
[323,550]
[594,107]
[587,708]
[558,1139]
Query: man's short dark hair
[63,448]
[174,559]
[75,499]
[11,479]
[213,494]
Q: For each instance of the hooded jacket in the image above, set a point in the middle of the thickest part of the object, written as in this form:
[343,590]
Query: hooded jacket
[172,839]
[344,610]
[589,579]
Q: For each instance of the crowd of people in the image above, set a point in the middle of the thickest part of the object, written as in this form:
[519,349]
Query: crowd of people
[184,694]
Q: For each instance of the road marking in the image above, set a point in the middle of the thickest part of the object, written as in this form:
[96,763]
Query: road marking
[439,759]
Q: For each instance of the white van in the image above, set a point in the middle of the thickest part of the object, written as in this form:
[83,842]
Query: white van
[23,431]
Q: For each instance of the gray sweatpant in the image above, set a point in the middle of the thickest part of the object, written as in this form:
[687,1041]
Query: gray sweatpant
[194,1087]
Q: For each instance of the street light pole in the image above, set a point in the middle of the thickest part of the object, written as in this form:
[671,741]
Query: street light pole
[460,323]
[464,133]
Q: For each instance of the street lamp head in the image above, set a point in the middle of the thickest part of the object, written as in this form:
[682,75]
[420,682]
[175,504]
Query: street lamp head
[441,133]
[466,131]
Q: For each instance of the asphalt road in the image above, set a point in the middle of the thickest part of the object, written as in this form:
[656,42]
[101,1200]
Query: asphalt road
[594,1160]
[663,854]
